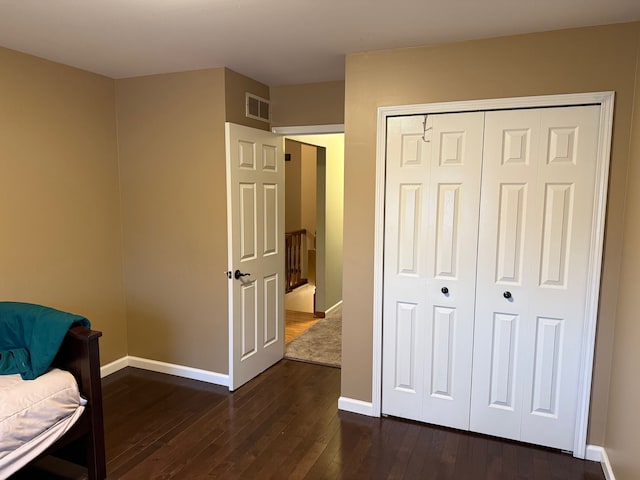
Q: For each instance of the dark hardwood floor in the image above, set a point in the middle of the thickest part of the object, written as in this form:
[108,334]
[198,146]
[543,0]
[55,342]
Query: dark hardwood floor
[285,425]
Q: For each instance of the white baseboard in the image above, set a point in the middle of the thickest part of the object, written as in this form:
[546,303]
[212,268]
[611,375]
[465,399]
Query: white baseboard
[593,453]
[599,454]
[180,370]
[163,367]
[356,406]
[606,466]
[114,366]
[330,311]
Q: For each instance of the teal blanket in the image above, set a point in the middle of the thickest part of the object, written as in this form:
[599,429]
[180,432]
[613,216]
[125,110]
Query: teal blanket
[30,336]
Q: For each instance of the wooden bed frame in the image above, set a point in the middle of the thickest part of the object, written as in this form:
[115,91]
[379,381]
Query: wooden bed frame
[83,444]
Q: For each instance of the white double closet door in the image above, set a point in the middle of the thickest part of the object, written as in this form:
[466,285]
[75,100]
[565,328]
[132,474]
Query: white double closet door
[488,219]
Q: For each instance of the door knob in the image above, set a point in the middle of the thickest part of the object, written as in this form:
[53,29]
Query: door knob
[507,294]
[237,274]
[444,290]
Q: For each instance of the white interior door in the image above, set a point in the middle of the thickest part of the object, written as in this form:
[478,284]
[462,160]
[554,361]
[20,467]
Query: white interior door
[433,196]
[255,217]
[534,245]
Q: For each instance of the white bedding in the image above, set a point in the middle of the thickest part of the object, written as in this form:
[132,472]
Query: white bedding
[34,414]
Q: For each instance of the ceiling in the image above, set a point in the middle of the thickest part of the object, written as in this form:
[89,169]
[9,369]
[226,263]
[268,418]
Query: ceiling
[277,42]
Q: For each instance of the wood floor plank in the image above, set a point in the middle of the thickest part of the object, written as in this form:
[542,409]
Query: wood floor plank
[495,458]
[282,450]
[313,442]
[285,425]
[420,460]
[296,323]
[471,458]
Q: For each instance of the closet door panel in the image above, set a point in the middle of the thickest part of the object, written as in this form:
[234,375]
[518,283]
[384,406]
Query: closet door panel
[534,251]
[433,185]
[565,185]
[453,209]
[405,308]
[508,211]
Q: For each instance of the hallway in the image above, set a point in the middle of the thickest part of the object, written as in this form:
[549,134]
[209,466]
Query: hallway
[298,311]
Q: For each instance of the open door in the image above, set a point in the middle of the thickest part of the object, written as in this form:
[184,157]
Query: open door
[255,226]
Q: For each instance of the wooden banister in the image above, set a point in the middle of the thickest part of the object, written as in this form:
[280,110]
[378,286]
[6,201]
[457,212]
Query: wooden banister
[294,242]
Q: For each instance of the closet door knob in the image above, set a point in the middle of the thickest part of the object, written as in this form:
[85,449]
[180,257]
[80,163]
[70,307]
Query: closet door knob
[507,294]
[444,290]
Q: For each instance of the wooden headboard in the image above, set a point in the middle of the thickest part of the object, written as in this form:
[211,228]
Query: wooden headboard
[84,443]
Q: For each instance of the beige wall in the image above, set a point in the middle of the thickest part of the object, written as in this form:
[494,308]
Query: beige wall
[300,199]
[334,201]
[308,192]
[59,208]
[623,421]
[293,169]
[308,104]
[236,85]
[569,61]
[172,178]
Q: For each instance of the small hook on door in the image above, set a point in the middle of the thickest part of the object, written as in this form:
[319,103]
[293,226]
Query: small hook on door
[425,129]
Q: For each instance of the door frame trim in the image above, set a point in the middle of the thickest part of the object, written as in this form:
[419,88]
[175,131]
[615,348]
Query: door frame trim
[309,129]
[606,102]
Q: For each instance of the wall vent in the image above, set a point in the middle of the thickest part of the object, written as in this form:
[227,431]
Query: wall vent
[257,108]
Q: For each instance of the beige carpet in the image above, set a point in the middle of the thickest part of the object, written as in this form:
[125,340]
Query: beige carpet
[321,344]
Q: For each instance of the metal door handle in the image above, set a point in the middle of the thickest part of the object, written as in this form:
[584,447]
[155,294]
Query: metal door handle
[237,274]
[444,290]
[507,294]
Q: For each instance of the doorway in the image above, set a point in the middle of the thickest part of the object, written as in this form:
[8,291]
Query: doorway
[313,224]
[256,245]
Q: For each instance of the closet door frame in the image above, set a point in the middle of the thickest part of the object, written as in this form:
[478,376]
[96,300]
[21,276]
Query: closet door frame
[605,100]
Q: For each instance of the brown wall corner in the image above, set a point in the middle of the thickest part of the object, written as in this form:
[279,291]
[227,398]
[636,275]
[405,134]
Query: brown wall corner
[622,439]
[235,87]
[308,104]
[173,190]
[60,244]
[293,202]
